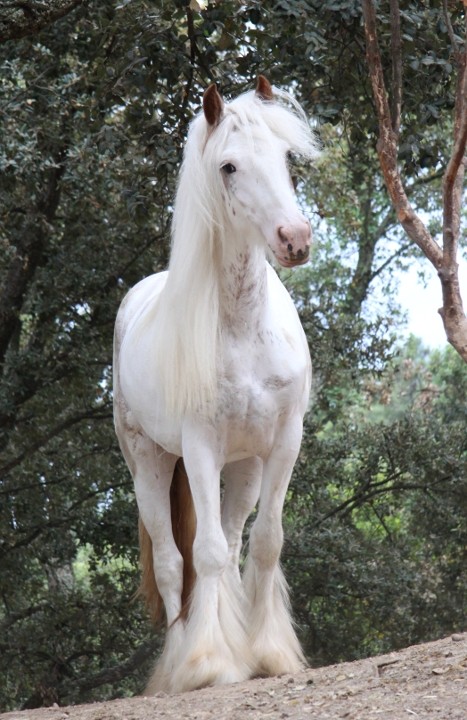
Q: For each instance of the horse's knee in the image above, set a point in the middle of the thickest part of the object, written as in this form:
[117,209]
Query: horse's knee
[168,570]
[210,553]
[266,541]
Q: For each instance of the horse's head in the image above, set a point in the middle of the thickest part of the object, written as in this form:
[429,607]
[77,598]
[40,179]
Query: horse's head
[248,143]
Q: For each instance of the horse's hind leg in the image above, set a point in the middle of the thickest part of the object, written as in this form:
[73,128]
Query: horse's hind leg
[242,483]
[273,639]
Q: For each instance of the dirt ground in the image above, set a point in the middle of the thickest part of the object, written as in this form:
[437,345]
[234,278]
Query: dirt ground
[424,681]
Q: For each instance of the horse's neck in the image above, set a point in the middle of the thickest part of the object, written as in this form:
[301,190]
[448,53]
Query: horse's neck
[243,287]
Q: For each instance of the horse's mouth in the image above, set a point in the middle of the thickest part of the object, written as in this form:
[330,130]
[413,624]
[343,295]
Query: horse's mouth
[293,259]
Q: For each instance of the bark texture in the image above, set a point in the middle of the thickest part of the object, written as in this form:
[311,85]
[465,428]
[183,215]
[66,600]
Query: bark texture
[443,259]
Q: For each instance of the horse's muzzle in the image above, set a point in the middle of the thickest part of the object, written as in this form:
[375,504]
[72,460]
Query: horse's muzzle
[294,244]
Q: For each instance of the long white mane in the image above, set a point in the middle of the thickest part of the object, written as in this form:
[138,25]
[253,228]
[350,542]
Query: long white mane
[186,314]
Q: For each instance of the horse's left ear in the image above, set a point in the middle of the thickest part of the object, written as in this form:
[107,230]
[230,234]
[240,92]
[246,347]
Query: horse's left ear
[213,106]
[264,88]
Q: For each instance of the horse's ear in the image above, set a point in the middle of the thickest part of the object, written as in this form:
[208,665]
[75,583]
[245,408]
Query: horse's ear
[213,106]
[264,88]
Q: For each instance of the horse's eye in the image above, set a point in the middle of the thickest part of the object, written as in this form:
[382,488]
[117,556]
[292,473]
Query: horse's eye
[228,168]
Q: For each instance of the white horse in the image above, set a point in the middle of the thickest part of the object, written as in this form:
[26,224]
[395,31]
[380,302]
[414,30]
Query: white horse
[212,373]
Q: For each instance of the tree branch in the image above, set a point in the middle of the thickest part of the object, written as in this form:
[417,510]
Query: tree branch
[19,18]
[364,273]
[193,51]
[118,672]
[447,20]
[452,312]
[387,145]
[454,175]
[55,685]
[36,530]
[92,414]
[403,248]
[373,489]
[29,253]
[19,615]
[396,101]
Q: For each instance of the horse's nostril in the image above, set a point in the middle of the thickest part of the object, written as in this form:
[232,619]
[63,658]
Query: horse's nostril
[283,234]
[291,235]
[300,253]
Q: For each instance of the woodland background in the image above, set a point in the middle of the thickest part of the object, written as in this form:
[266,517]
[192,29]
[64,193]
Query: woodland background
[95,99]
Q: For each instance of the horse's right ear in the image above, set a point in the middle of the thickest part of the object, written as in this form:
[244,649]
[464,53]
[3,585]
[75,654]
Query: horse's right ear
[213,106]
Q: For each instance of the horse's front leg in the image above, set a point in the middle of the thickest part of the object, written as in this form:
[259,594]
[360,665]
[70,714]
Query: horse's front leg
[273,640]
[215,643]
[152,469]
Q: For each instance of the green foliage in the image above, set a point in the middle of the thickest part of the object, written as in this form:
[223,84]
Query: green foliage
[93,115]
[377,512]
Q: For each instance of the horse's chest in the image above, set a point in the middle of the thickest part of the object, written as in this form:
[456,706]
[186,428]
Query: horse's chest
[256,390]
[247,420]
[250,396]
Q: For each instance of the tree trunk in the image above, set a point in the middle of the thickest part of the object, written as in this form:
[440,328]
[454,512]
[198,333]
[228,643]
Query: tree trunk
[443,259]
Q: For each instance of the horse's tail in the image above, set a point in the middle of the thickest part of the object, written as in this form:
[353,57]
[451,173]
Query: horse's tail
[184,530]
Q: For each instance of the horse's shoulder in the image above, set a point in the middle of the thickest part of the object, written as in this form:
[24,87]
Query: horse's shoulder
[141,299]
[148,285]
